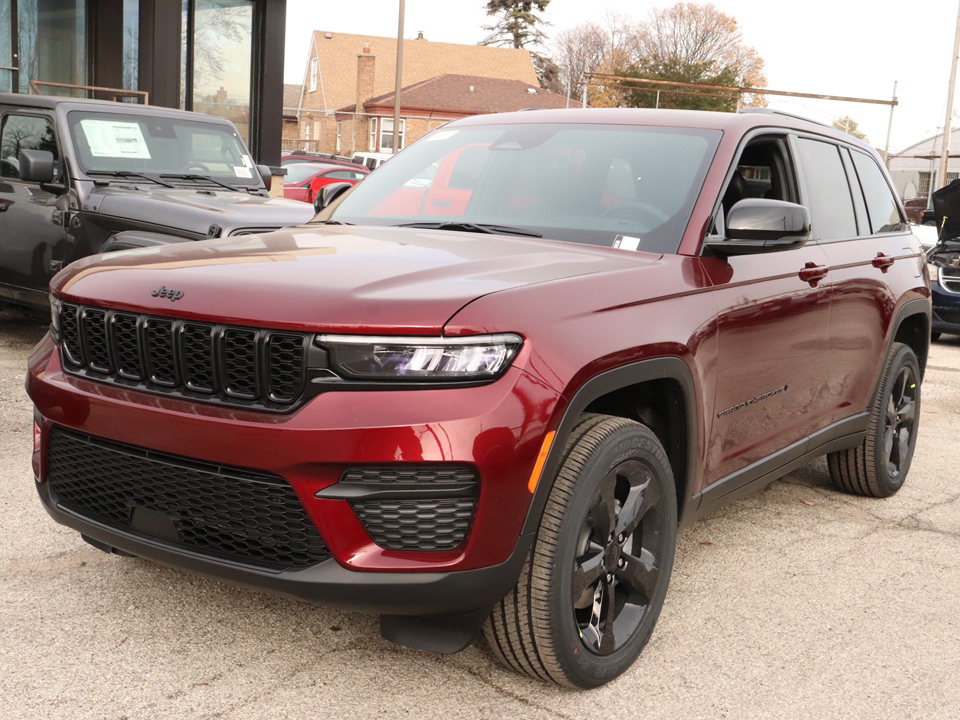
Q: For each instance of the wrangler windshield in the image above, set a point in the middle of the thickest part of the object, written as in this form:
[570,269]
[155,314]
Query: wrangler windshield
[612,185]
[159,146]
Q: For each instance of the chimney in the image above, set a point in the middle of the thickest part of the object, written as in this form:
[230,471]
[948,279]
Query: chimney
[365,76]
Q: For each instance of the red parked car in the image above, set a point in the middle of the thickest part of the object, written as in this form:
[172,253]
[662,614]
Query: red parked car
[483,388]
[303,180]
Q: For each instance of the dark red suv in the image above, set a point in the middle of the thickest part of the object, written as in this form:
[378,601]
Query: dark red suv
[484,387]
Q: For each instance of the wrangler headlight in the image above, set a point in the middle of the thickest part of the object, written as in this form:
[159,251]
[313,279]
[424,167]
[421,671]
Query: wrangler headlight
[479,357]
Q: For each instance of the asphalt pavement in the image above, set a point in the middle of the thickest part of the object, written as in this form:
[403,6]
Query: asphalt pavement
[797,602]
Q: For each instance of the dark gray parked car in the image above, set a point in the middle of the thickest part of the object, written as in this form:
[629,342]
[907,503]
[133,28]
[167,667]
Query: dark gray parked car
[78,177]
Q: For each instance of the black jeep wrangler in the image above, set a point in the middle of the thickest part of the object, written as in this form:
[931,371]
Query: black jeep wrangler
[78,177]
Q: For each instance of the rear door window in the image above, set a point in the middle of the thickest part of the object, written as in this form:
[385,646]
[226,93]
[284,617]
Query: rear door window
[881,203]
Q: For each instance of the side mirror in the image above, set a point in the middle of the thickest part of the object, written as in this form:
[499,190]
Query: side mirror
[36,166]
[329,193]
[759,225]
[266,174]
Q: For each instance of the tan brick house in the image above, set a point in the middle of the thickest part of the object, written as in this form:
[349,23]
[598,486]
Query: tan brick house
[347,71]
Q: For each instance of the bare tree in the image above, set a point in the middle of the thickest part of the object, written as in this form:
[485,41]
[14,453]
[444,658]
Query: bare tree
[699,41]
[848,125]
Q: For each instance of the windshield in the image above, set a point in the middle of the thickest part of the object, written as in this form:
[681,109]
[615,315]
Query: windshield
[299,173]
[159,146]
[618,186]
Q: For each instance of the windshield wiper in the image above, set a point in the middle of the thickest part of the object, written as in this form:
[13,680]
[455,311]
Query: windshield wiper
[473,227]
[207,178]
[128,174]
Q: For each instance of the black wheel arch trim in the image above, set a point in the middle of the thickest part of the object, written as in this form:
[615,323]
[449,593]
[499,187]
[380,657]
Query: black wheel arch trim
[909,309]
[663,368]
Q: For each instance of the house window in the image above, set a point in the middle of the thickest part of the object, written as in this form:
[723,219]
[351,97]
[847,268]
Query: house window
[386,134]
[339,135]
[923,189]
[316,131]
[314,73]
[306,131]
[372,140]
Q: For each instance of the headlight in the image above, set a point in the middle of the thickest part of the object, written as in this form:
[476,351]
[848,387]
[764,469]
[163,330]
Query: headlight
[480,357]
[55,317]
[934,273]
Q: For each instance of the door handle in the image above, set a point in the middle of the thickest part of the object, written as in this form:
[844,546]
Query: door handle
[882,262]
[813,273]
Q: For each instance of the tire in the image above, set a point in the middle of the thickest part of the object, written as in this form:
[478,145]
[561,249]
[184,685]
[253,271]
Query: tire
[593,585]
[878,466]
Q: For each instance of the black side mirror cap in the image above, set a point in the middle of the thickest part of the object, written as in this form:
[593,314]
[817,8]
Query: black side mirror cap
[329,193]
[36,166]
[759,225]
[266,174]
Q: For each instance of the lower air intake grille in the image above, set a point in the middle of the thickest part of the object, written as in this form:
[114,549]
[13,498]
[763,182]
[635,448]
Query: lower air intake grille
[414,507]
[416,524]
[231,514]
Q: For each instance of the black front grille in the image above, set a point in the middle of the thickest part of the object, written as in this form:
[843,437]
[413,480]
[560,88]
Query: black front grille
[222,512]
[247,367]
[416,524]
[413,507]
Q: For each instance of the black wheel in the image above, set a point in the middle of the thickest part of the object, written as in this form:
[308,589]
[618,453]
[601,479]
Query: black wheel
[934,336]
[593,586]
[878,467]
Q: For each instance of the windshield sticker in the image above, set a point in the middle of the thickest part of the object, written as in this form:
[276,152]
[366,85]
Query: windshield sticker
[243,172]
[442,135]
[114,139]
[625,242]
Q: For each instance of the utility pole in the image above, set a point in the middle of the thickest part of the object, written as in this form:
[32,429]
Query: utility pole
[945,150]
[396,94]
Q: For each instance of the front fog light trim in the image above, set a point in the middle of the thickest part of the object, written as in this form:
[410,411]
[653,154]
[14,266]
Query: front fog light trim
[421,359]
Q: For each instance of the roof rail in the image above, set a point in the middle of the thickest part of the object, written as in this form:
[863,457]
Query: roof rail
[769,111]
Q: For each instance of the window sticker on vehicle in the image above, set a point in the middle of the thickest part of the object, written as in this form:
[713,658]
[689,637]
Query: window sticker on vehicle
[114,139]
[243,172]
[625,242]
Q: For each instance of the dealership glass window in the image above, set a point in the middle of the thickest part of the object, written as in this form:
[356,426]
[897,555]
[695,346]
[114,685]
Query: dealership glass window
[52,43]
[386,134]
[6,47]
[131,44]
[217,60]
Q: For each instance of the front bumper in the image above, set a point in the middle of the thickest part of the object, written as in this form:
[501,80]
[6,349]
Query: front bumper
[946,310]
[496,429]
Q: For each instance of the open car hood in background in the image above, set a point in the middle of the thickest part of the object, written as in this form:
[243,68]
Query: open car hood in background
[946,207]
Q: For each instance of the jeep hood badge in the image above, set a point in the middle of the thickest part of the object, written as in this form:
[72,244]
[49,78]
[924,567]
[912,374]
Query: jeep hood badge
[172,295]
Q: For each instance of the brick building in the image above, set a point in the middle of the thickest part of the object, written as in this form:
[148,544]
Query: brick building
[346,72]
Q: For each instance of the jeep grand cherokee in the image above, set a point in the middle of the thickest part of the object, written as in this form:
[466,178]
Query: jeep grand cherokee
[485,386]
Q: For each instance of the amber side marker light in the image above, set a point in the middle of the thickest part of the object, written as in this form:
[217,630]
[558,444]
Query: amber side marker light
[541,460]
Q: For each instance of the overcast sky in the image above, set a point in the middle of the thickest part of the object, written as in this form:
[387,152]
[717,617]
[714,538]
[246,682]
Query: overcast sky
[824,47]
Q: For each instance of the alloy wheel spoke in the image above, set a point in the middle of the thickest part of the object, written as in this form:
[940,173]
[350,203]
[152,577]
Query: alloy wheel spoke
[604,510]
[608,642]
[640,573]
[639,501]
[587,570]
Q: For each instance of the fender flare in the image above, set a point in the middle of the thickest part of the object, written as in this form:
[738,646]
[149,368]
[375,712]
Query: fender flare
[663,368]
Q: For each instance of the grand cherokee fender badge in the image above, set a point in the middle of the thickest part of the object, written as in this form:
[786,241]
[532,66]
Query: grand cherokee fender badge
[173,295]
[753,401]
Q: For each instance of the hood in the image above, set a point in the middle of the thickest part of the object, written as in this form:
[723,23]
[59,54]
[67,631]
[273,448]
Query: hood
[946,208]
[337,279]
[194,211]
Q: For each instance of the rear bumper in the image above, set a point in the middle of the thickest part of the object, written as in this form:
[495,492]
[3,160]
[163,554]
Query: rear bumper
[327,583]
